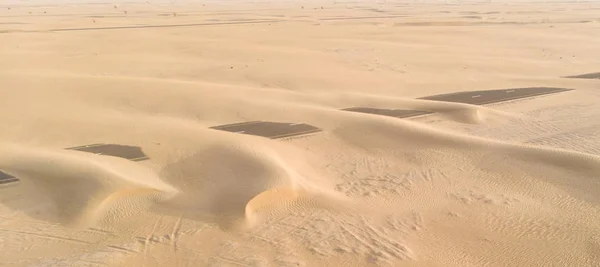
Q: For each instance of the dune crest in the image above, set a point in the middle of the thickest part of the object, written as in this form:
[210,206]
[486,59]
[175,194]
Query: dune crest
[76,187]
[236,184]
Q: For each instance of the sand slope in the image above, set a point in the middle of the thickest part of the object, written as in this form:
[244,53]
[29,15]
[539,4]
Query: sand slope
[508,184]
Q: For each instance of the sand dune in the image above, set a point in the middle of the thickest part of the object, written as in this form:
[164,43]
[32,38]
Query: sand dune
[513,183]
[77,189]
[234,182]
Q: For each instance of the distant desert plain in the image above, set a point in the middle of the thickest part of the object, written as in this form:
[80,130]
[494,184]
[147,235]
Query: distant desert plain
[299,133]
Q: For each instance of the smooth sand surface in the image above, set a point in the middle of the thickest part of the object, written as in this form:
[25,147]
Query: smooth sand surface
[507,184]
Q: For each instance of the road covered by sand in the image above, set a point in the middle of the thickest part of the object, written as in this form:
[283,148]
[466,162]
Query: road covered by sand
[508,184]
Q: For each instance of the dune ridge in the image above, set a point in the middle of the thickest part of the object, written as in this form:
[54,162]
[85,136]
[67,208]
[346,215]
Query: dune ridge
[79,188]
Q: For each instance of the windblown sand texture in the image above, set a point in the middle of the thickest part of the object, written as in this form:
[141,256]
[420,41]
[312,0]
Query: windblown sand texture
[515,183]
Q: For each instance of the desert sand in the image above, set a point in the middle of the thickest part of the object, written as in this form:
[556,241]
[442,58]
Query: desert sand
[508,184]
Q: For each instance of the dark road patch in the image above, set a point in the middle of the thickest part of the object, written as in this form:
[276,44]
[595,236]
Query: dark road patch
[471,97]
[166,25]
[273,130]
[595,75]
[494,96]
[6,178]
[132,153]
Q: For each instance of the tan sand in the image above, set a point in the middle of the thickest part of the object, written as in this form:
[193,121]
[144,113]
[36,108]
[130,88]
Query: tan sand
[508,184]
